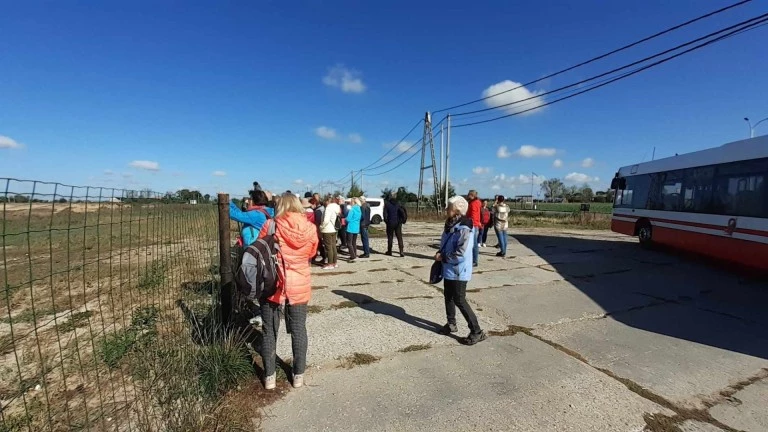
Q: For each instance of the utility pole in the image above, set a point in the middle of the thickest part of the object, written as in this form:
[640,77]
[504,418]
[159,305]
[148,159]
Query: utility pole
[653,155]
[428,139]
[352,174]
[361,180]
[447,157]
[442,153]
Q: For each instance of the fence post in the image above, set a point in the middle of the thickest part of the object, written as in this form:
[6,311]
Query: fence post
[225,260]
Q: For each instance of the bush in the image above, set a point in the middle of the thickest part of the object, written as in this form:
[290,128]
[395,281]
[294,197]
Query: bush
[224,364]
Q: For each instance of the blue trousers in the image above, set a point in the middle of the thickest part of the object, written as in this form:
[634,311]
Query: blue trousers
[501,235]
[365,240]
[476,250]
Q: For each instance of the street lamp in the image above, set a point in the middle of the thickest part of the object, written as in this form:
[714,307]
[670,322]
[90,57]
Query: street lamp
[752,128]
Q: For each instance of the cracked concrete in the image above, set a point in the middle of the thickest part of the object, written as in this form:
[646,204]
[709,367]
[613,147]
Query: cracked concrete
[588,333]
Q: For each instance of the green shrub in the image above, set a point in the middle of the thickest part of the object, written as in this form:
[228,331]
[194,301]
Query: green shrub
[223,364]
[153,276]
[115,346]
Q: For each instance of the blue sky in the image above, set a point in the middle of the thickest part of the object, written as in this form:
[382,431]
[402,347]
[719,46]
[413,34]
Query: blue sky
[214,95]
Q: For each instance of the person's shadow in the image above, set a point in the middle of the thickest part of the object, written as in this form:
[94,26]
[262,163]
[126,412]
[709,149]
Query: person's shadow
[381,307]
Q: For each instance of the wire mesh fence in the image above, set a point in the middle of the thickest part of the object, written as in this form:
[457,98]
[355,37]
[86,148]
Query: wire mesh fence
[104,294]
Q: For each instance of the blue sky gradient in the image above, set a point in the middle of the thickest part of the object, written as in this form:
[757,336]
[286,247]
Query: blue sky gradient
[215,95]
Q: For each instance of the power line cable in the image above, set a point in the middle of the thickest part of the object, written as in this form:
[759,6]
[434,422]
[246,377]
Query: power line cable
[402,152]
[602,56]
[746,28]
[635,63]
[397,144]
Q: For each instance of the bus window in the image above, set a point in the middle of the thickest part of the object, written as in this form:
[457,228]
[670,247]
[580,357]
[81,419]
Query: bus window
[740,189]
[635,193]
[697,189]
[670,191]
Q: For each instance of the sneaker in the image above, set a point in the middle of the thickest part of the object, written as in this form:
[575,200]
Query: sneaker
[364,256]
[500,255]
[335,266]
[256,321]
[270,382]
[474,264]
[351,261]
[449,328]
[329,267]
[388,253]
[485,245]
[474,338]
[298,380]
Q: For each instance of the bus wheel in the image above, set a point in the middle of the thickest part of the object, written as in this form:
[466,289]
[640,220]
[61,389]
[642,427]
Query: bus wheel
[645,234]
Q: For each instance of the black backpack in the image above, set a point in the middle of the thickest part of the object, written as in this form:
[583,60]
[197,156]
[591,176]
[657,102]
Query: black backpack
[256,278]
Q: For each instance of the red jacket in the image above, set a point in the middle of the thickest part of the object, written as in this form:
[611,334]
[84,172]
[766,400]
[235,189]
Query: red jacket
[298,243]
[474,212]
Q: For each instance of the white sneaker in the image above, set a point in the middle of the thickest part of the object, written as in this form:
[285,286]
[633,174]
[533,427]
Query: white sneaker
[256,321]
[298,381]
[335,266]
[270,382]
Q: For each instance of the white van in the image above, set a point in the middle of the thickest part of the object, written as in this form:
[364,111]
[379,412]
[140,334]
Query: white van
[377,209]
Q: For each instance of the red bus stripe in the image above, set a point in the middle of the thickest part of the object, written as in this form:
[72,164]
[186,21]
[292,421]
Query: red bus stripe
[699,225]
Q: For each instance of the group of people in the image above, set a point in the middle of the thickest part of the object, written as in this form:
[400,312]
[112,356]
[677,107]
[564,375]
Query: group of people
[301,226]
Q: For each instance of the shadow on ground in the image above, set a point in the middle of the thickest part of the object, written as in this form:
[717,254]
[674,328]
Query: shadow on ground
[689,298]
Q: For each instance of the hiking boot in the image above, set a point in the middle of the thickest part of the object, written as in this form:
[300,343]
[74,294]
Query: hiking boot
[298,380]
[474,338]
[270,382]
[449,328]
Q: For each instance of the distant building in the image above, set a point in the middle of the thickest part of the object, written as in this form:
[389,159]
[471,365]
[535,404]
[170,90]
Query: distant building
[193,202]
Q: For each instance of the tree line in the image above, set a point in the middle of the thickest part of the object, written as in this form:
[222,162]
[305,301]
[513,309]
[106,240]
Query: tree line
[555,189]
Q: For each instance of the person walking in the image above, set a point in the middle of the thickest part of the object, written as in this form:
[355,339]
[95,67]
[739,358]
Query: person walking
[394,218]
[328,230]
[500,224]
[487,221]
[354,217]
[473,213]
[456,247]
[365,223]
[297,239]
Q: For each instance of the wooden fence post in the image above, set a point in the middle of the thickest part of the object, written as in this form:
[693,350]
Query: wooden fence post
[225,261]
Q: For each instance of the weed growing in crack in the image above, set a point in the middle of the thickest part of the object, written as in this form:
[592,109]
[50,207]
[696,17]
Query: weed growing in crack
[357,359]
[412,348]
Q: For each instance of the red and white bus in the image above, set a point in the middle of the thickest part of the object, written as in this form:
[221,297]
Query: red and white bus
[712,202]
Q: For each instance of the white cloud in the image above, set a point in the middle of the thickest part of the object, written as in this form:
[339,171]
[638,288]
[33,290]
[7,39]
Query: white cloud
[587,163]
[355,138]
[298,182]
[557,163]
[503,153]
[481,170]
[496,187]
[518,94]
[108,172]
[127,175]
[326,133]
[348,80]
[8,143]
[576,177]
[219,173]
[529,151]
[512,182]
[145,165]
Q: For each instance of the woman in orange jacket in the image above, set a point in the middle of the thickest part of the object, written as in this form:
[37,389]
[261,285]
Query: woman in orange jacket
[297,238]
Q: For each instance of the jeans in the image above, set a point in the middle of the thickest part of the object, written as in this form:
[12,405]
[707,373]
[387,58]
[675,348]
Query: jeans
[476,250]
[296,320]
[352,245]
[485,229]
[329,240]
[501,235]
[394,230]
[455,293]
[366,241]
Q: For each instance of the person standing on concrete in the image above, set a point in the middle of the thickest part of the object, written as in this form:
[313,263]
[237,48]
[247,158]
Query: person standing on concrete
[354,216]
[456,246]
[297,238]
[473,213]
[487,221]
[365,223]
[500,224]
[328,230]
[343,230]
[319,214]
[394,218]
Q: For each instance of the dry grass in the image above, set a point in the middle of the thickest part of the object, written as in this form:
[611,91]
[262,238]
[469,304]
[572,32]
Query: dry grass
[357,359]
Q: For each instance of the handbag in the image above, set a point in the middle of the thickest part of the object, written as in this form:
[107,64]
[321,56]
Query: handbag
[436,271]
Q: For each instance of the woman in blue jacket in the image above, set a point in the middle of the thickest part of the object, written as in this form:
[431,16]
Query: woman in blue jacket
[254,216]
[353,227]
[455,252]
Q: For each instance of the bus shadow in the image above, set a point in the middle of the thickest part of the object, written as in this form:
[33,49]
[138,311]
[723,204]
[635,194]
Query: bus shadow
[661,291]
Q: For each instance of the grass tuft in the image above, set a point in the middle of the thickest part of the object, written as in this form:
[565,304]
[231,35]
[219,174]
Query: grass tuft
[153,276]
[412,348]
[76,320]
[116,346]
[357,359]
[224,364]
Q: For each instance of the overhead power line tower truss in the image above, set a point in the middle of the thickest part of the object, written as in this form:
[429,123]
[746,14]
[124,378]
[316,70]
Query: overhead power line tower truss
[428,141]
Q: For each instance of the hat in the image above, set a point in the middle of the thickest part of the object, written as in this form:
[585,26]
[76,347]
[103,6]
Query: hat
[305,203]
[436,272]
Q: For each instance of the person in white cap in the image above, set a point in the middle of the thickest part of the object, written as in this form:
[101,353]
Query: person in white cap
[456,249]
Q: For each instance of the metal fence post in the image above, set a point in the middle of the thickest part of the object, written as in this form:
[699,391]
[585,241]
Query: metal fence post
[225,260]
